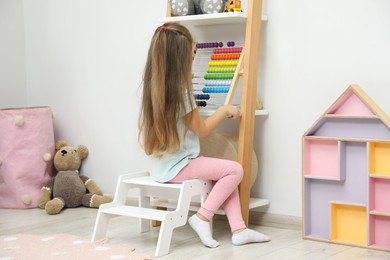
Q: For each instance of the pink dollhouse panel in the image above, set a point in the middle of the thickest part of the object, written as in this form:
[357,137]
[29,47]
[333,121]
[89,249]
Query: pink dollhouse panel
[380,192]
[321,158]
[351,105]
[380,236]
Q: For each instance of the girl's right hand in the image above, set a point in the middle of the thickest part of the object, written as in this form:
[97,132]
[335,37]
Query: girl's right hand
[232,112]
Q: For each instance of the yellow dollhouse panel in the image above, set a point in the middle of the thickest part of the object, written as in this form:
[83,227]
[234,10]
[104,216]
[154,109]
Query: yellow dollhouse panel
[379,158]
[349,224]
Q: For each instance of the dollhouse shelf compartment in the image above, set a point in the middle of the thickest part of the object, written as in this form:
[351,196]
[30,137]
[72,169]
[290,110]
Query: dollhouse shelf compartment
[379,163]
[209,19]
[348,223]
[379,196]
[379,235]
[324,159]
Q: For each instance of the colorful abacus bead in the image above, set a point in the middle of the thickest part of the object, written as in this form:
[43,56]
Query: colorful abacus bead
[210,83]
[201,103]
[219,76]
[227,50]
[232,56]
[215,90]
[230,44]
[202,96]
[223,63]
[221,70]
[205,45]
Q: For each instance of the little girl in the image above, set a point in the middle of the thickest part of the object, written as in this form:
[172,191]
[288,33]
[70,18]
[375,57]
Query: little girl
[170,127]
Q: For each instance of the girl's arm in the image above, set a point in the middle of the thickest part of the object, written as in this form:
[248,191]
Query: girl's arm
[203,128]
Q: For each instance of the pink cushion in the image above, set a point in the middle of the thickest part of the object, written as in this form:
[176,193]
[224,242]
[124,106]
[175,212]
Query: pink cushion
[26,152]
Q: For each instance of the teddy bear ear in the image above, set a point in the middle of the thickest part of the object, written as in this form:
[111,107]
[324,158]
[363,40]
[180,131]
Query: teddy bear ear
[82,151]
[60,144]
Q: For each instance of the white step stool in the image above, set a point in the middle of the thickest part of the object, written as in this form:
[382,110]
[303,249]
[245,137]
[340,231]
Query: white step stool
[148,188]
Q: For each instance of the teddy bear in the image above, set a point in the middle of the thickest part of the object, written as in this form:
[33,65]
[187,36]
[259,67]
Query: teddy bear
[68,188]
[190,7]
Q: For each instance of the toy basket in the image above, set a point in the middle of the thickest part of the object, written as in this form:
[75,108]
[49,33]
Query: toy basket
[26,152]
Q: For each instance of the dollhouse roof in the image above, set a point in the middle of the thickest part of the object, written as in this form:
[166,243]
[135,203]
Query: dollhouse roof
[353,105]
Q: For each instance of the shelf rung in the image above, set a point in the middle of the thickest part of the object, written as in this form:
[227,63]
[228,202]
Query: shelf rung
[195,205]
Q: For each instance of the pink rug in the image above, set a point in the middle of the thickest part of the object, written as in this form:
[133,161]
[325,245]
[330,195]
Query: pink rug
[62,246]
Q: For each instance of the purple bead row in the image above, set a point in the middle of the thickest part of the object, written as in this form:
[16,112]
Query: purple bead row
[205,45]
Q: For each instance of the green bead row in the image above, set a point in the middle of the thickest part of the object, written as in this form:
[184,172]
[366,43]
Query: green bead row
[219,76]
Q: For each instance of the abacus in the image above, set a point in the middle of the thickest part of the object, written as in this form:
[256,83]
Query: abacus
[218,76]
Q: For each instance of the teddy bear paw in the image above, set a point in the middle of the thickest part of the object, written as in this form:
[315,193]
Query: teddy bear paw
[97,200]
[54,206]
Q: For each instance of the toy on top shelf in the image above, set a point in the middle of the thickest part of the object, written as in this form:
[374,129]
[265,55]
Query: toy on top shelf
[191,7]
[233,6]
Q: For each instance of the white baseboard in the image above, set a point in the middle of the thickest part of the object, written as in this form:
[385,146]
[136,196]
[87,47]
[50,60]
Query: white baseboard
[271,220]
[275,220]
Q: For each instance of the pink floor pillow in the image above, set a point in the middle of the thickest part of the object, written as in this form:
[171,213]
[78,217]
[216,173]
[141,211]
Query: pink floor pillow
[26,152]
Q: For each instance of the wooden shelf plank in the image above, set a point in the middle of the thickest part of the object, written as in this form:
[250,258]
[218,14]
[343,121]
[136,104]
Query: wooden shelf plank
[318,177]
[379,213]
[379,176]
[349,116]
[364,140]
[209,19]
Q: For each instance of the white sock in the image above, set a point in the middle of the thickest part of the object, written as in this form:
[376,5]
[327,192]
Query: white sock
[248,236]
[202,228]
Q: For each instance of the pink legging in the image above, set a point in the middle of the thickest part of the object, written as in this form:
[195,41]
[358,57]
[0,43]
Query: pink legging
[226,176]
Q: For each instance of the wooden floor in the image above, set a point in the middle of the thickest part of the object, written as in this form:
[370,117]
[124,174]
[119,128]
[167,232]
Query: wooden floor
[285,244]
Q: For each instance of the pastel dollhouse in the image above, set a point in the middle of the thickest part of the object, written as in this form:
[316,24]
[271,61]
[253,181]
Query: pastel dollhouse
[346,173]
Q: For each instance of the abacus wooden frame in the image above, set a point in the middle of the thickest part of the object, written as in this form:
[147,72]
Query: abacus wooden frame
[249,100]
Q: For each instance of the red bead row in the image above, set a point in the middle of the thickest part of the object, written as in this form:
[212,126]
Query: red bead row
[227,50]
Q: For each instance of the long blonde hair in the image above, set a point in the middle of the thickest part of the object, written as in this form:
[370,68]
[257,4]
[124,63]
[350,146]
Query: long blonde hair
[167,82]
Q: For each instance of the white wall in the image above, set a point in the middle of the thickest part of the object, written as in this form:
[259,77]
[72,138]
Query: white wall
[12,63]
[85,58]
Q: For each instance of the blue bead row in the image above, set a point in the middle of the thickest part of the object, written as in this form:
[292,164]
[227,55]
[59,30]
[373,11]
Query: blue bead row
[215,90]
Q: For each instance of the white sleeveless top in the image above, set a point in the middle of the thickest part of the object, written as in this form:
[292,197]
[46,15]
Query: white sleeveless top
[166,167]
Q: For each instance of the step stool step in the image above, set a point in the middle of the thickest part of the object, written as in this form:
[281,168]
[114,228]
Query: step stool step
[137,212]
[148,181]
